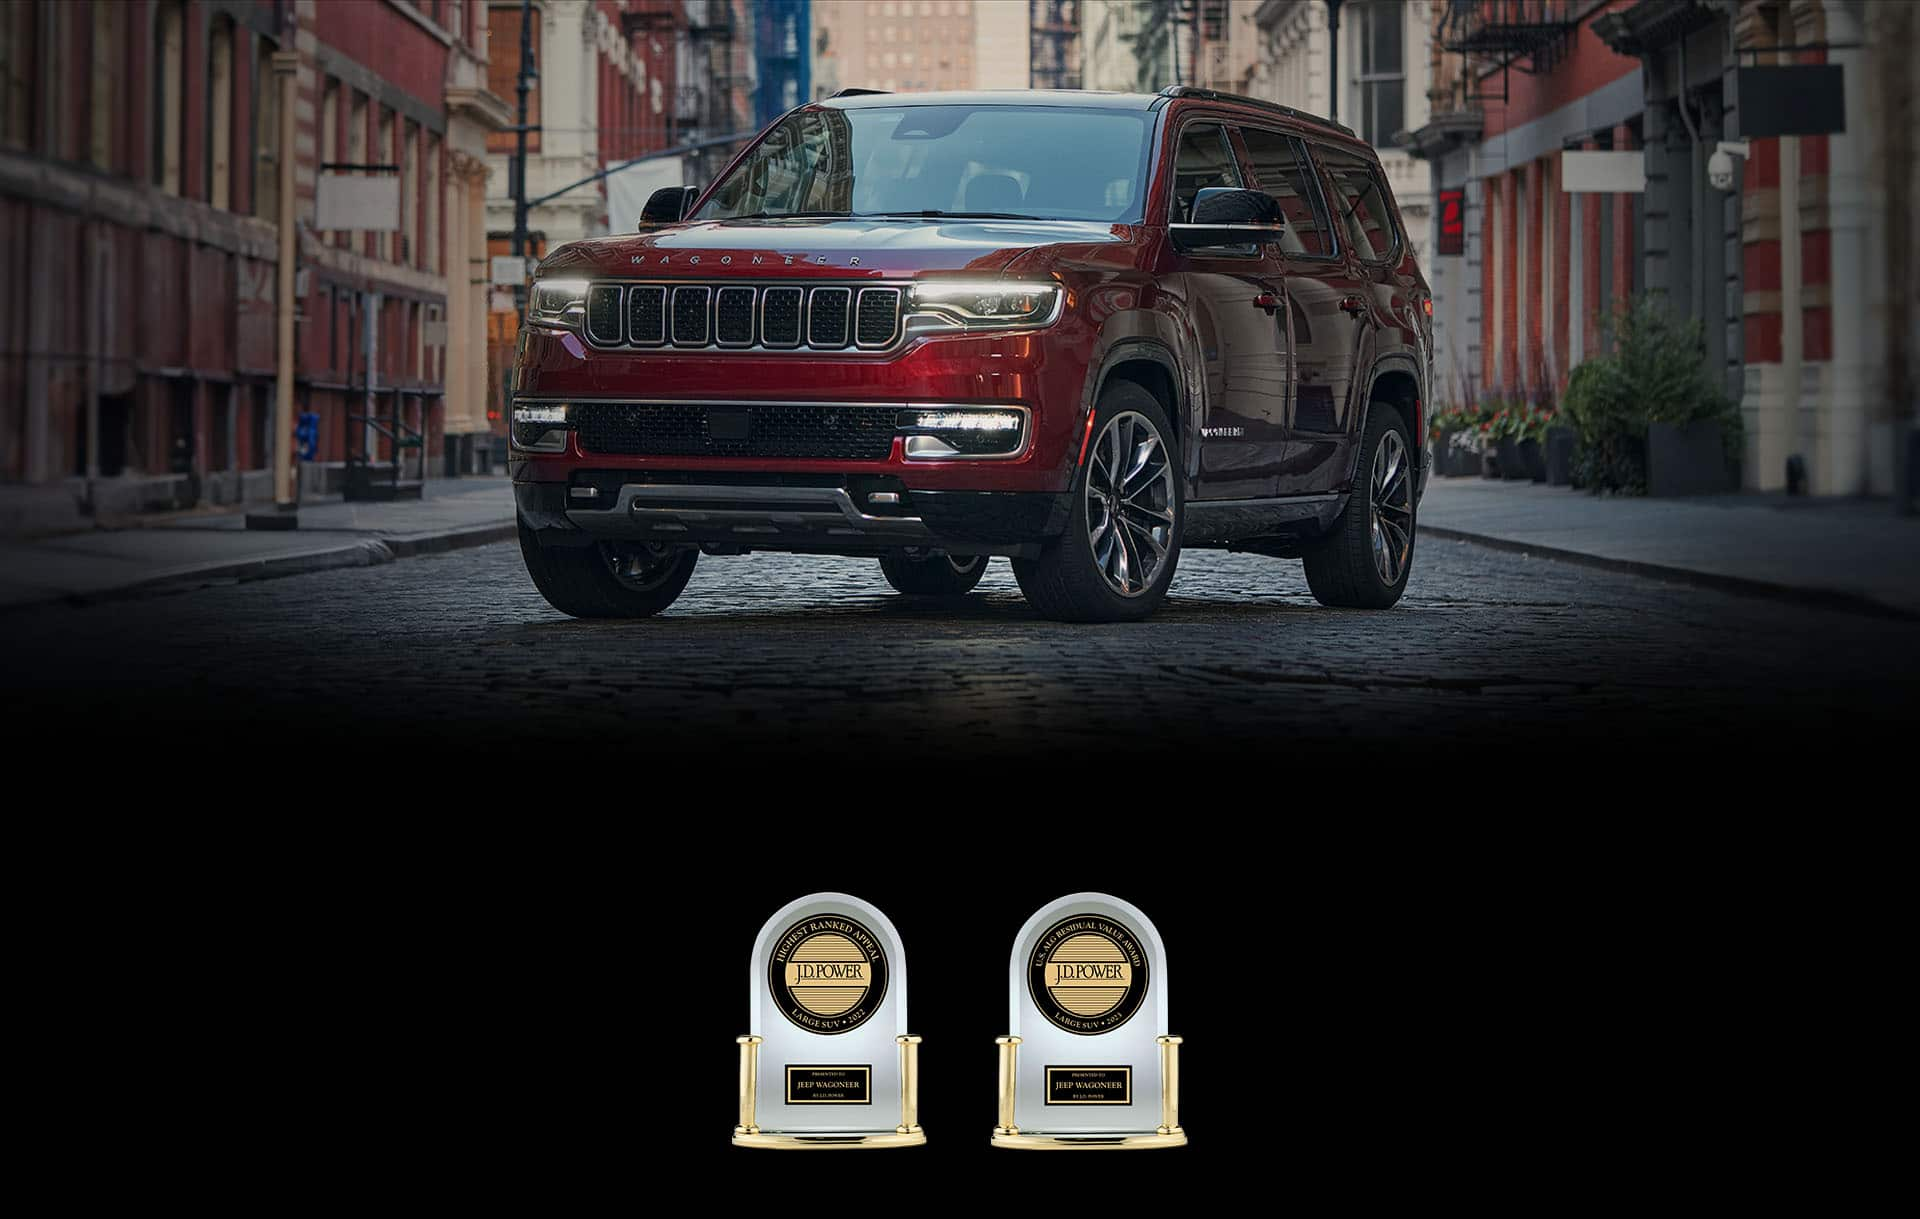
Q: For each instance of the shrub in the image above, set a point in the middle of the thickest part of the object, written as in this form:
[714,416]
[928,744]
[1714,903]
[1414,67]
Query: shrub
[1655,373]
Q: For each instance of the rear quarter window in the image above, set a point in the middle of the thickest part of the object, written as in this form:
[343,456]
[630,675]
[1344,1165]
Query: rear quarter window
[1360,199]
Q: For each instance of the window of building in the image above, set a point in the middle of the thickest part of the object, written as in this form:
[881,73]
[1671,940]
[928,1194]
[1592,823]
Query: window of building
[1362,204]
[409,251]
[430,237]
[503,72]
[220,114]
[266,133]
[383,154]
[1382,79]
[17,59]
[109,54]
[169,83]
[1205,159]
[1279,171]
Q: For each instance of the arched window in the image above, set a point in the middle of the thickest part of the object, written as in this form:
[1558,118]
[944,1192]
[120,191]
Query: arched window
[220,114]
[266,134]
[169,99]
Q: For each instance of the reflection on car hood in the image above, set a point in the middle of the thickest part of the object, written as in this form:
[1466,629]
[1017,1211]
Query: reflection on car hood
[723,249]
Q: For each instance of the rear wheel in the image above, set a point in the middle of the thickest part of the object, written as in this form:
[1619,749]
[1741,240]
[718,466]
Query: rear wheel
[1364,562]
[1122,541]
[607,579]
[933,573]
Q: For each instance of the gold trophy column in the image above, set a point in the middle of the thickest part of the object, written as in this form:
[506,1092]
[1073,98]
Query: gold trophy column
[909,1084]
[1009,1059]
[749,1083]
[1170,1086]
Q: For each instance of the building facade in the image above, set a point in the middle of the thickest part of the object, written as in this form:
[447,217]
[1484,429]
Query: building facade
[1572,148]
[140,158]
[1383,61]
[911,46]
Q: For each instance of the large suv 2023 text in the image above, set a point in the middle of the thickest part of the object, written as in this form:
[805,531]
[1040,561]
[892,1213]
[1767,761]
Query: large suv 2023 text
[1078,330]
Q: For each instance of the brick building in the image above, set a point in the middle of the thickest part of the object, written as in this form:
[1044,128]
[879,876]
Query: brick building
[139,206]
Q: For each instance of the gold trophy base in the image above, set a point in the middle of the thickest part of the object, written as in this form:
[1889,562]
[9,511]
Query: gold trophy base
[1175,1137]
[914,1137]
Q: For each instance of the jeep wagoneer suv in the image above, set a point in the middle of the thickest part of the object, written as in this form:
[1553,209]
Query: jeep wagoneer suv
[1077,330]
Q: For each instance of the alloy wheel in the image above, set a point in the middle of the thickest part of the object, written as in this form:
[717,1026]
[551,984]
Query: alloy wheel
[1129,494]
[1390,521]
[640,566]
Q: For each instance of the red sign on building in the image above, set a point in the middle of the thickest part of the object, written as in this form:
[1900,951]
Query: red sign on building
[1453,221]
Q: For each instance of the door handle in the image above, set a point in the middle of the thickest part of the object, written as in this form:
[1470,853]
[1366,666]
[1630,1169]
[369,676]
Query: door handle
[1267,301]
[1353,305]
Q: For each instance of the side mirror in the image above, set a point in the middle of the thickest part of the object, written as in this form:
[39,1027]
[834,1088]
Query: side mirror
[668,205]
[1223,216]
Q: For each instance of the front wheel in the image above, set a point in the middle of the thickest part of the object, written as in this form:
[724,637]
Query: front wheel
[933,573]
[607,579]
[1364,562]
[1117,556]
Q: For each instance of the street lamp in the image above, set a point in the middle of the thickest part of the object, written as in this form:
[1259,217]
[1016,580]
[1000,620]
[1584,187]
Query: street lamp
[1333,58]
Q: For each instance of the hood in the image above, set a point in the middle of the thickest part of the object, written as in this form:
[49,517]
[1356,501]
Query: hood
[824,248]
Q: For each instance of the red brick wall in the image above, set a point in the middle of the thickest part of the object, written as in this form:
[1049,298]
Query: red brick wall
[1588,65]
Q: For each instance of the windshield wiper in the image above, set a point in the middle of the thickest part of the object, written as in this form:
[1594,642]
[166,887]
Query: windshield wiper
[937,214]
[789,216]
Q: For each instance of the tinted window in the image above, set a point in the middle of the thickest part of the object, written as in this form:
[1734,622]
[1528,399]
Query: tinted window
[1357,196]
[1204,159]
[1049,162]
[1279,171]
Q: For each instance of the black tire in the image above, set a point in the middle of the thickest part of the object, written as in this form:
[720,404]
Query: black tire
[1066,583]
[580,580]
[1341,567]
[933,573]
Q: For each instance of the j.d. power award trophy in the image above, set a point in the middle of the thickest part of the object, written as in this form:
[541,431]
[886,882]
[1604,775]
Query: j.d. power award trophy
[829,1062]
[1088,1063]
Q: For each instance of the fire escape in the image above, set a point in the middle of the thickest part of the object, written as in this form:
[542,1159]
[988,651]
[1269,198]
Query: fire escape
[1054,44]
[1501,35]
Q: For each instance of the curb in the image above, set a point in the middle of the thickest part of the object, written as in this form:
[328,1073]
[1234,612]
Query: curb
[363,552]
[1822,598]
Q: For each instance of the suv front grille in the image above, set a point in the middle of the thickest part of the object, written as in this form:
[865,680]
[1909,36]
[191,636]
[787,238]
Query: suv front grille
[687,429]
[759,316]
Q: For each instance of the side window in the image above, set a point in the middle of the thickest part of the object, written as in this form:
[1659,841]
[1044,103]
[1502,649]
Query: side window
[1277,167]
[1204,159]
[1362,204]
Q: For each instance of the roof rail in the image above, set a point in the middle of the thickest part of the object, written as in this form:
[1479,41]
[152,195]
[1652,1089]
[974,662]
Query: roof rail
[1237,99]
[856,92]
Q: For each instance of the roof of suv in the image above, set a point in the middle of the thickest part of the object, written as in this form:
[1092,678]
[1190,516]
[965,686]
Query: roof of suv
[1081,98]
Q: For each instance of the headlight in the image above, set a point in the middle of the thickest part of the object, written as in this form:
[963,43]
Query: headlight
[934,433]
[557,302]
[541,427]
[982,304]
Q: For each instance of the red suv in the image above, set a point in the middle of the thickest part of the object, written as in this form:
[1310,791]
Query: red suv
[1078,330]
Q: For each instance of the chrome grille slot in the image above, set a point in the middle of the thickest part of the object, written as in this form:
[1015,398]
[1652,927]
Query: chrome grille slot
[733,317]
[877,317]
[603,314]
[780,316]
[690,315]
[646,315]
[827,317]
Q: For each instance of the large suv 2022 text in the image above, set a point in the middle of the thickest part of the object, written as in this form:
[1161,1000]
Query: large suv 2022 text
[1078,330]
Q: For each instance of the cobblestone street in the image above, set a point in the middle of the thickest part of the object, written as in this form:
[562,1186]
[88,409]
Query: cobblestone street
[1489,649]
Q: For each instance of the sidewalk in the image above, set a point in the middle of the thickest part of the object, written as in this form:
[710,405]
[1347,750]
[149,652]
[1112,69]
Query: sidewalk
[1848,552]
[194,547]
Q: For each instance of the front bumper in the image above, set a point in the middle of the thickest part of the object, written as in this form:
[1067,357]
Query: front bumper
[796,513]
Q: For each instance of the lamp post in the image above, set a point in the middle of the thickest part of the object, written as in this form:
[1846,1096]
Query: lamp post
[1333,58]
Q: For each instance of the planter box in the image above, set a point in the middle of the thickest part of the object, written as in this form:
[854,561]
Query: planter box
[1534,460]
[1513,467]
[1687,459]
[1559,456]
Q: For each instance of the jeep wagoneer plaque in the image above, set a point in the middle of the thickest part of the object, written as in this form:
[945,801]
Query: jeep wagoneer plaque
[1088,1062]
[830,1062]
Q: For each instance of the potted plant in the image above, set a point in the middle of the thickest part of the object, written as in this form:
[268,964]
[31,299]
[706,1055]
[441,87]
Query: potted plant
[1647,418]
[1534,420]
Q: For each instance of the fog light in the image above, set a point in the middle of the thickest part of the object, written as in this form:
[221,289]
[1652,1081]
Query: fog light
[540,427]
[945,432]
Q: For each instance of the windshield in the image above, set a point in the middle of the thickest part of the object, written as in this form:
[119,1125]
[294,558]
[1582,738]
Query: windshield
[1043,162]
